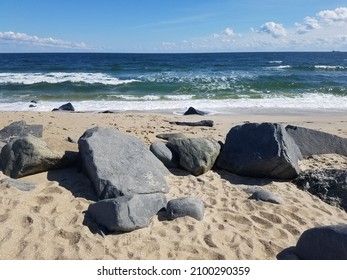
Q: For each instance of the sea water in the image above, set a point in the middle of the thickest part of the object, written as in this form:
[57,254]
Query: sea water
[216,82]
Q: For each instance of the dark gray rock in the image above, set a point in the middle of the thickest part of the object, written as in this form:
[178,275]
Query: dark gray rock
[323,243]
[27,155]
[124,213]
[208,123]
[119,164]
[166,155]
[20,185]
[265,196]
[187,206]
[168,136]
[20,129]
[65,107]
[313,142]
[197,155]
[193,111]
[330,185]
[260,150]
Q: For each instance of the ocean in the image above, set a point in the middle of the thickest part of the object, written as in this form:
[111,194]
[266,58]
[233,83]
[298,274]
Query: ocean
[215,82]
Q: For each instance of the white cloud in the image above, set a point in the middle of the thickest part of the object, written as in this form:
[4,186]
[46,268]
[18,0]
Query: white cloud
[324,31]
[339,15]
[276,30]
[229,32]
[29,40]
[308,25]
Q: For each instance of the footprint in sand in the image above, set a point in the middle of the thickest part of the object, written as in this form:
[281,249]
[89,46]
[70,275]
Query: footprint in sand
[271,217]
[72,237]
[208,240]
[44,199]
[291,229]
[4,217]
[262,222]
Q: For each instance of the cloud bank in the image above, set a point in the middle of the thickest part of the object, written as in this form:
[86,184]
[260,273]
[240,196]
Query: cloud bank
[324,31]
[22,39]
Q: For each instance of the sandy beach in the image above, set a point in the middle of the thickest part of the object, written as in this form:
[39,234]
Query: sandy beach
[49,221]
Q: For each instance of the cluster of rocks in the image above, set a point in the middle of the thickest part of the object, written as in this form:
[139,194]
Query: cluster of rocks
[129,178]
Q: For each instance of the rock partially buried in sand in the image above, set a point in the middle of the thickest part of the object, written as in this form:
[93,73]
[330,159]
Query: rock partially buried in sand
[208,123]
[330,185]
[265,196]
[118,164]
[26,156]
[19,185]
[124,214]
[260,150]
[197,155]
[187,206]
[323,243]
[168,136]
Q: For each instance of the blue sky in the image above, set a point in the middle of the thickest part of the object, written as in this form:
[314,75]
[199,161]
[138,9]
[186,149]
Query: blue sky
[172,25]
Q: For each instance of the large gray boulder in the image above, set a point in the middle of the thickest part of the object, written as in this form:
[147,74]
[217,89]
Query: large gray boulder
[118,164]
[187,206]
[27,155]
[323,243]
[127,213]
[197,155]
[260,150]
[166,155]
[313,142]
[20,129]
[330,185]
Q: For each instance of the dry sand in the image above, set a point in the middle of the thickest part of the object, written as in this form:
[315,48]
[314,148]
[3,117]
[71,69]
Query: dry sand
[49,221]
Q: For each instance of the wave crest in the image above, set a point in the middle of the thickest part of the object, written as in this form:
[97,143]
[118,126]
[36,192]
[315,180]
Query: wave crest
[61,77]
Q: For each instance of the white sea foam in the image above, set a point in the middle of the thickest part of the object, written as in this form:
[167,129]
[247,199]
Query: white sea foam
[280,67]
[275,61]
[304,101]
[61,77]
[329,67]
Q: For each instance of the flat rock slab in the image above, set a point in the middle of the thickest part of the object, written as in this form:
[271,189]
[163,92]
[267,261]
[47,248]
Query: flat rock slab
[262,150]
[26,156]
[168,136]
[208,123]
[20,185]
[124,213]
[314,142]
[119,164]
[330,185]
[265,196]
[323,243]
[20,129]
[187,206]
[197,155]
